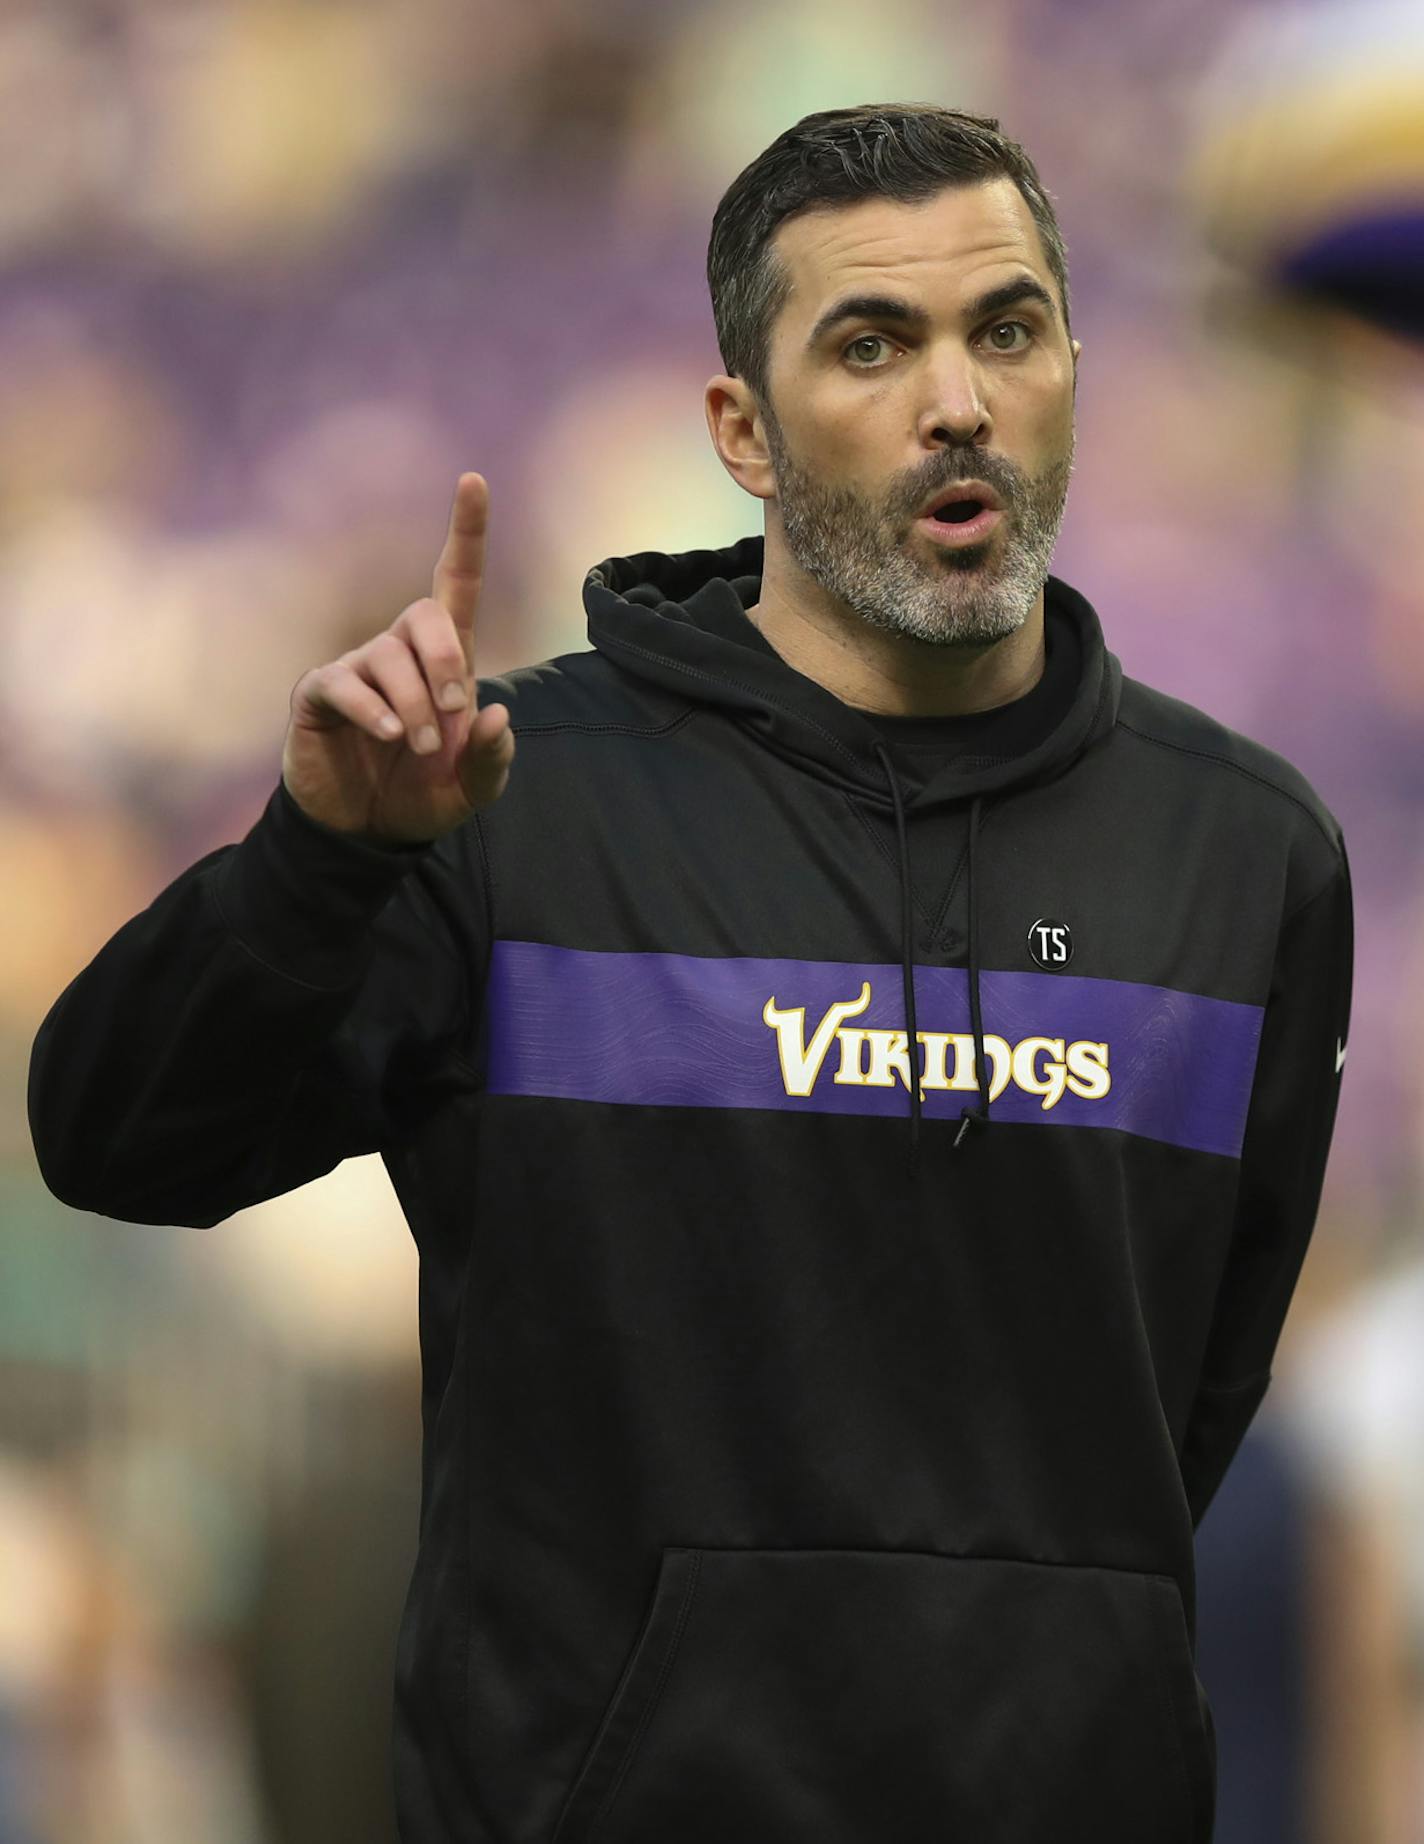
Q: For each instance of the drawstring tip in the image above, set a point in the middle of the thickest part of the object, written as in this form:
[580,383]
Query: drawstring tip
[964,1121]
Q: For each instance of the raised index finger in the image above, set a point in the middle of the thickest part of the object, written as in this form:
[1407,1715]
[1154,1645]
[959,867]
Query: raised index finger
[462,562]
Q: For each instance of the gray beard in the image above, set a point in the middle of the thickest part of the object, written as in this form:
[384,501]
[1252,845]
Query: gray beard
[948,598]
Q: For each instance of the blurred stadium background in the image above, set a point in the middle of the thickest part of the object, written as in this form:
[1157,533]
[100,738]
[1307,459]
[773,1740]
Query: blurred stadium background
[272,274]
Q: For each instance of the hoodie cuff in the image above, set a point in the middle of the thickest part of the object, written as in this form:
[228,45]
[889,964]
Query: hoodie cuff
[301,896]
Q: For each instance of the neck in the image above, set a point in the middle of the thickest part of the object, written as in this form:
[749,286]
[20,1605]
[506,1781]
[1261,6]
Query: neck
[894,674]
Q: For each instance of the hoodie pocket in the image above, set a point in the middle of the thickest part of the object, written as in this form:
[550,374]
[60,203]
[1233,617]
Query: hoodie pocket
[887,1697]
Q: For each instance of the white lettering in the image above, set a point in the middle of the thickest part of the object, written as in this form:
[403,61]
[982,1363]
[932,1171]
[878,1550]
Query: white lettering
[1050,1083]
[1088,1070]
[800,1061]
[877,1058]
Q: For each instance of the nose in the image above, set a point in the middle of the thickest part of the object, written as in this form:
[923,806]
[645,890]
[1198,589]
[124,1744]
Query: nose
[956,411]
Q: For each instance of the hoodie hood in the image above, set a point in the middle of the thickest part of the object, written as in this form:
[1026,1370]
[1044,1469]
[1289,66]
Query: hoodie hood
[680,620]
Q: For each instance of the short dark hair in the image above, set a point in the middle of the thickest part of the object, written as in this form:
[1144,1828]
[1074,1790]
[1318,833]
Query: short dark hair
[903,151]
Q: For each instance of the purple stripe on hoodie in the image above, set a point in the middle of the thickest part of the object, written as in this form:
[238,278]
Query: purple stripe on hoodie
[828,1037]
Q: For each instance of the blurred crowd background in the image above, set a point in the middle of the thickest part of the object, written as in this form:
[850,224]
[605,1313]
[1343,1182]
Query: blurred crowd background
[272,274]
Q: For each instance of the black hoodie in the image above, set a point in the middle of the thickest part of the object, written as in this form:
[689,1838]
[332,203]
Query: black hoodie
[809,1457]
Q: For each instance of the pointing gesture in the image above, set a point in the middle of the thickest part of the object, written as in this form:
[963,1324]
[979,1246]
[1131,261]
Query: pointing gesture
[461,568]
[386,740]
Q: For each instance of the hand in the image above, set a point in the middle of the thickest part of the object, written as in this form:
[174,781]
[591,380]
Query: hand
[353,757]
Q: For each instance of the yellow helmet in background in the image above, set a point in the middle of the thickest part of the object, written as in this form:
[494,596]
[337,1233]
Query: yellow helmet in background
[1307,175]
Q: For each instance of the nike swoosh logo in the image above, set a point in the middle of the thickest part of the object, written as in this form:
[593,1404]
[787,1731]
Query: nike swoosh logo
[1339,1056]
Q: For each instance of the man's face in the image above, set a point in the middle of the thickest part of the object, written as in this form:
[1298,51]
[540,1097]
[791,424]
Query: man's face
[876,415]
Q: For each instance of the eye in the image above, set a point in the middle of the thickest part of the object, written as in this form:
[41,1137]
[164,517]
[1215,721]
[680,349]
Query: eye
[866,339]
[999,326]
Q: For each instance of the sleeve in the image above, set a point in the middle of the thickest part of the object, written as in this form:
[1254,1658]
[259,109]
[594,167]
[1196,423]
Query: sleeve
[1289,1125]
[281,1006]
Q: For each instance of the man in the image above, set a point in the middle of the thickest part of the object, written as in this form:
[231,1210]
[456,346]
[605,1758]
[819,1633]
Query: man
[860,1083]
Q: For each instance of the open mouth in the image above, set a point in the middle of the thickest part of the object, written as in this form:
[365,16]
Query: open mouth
[960,524]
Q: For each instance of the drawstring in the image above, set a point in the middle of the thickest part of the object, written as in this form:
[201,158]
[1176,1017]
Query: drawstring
[912,1053]
[980,1081]
[907,971]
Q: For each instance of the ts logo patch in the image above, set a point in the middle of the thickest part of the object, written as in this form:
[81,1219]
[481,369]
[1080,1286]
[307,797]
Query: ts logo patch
[1050,943]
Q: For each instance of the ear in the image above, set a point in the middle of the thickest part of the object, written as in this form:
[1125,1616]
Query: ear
[1077,348]
[735,428]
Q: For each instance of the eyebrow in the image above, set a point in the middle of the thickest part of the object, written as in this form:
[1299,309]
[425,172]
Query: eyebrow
[891,307]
